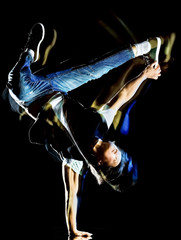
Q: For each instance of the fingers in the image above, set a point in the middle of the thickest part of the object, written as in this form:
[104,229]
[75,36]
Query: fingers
[79,238]
[155,65]
[153,71]
[157,70]
[80,235]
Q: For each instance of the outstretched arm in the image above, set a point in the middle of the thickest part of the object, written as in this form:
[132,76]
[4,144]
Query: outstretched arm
[128,91]
[72,184]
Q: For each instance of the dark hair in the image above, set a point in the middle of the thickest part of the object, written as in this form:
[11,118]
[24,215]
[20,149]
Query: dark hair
[111,173]
[122,176]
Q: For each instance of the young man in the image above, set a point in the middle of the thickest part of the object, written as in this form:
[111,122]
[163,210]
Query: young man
[70,132]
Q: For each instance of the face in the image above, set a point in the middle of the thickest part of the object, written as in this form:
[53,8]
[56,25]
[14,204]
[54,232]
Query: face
[111,155]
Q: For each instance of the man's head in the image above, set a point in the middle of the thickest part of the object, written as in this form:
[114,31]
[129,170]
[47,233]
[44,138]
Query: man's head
[107,153]
[115,166]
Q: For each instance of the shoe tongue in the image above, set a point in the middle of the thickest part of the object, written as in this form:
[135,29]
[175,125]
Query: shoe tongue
[153,54]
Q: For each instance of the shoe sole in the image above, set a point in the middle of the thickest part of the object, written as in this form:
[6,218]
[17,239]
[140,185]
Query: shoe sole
[38,46]
[157,50]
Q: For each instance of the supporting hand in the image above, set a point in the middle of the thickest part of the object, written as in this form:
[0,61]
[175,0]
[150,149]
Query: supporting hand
[77,235]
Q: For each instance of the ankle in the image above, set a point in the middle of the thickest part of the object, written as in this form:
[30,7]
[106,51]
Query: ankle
[142,48]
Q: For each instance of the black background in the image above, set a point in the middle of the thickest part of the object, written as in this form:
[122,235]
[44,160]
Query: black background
[33,193]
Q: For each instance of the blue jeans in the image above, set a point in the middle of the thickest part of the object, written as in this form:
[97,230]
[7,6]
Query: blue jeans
[33,86]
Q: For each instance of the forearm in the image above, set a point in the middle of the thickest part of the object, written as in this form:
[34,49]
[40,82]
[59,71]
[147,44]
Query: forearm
[132,87]
[71,184]
[71,212]
[116,80]
[127,92]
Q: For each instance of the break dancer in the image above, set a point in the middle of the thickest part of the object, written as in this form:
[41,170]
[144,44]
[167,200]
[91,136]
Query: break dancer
[70,132]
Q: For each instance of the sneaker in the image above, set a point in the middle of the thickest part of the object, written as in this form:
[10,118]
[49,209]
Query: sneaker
[31,48]
[155,49]
[35,38]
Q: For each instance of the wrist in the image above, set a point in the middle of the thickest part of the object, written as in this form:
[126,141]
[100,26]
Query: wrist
[144,76]
[73,229]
